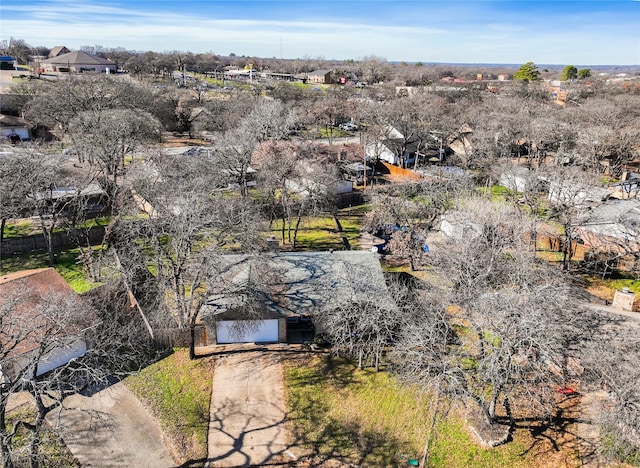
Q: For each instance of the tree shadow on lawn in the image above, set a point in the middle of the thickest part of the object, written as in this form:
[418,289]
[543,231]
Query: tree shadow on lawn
[557,433]
[322,436]
[339,370]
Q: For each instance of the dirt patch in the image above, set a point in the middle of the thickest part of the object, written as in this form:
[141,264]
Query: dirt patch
[490,435]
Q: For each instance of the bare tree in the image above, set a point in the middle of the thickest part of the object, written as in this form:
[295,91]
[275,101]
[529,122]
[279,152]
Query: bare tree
[56,322]
[570,192]
[612,364]
[13,193]
[105,139]
[186,223]
[362,317]
[504,320]
[57,103]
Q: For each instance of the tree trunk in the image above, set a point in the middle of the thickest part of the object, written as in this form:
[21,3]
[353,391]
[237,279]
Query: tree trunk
[3,223]
[192,337]
[34,447]
[431,433]
[5,439]
[47,233]
[295,231]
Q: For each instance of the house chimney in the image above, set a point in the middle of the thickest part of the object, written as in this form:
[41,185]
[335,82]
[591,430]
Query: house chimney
[273,245]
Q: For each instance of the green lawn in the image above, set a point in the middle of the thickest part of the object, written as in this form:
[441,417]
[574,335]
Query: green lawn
[332,132]
[68,265]
[178,392]
[53,453]
[319,233]
[371,419]
[18,229]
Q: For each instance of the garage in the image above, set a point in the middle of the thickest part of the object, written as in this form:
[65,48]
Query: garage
[242,331]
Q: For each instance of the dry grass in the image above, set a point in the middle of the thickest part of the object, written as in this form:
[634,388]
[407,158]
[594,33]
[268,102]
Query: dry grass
[370,419]
[178,392]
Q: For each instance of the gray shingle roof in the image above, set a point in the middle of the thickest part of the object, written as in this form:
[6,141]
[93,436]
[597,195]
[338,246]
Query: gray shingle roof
[301,283]
[615,218]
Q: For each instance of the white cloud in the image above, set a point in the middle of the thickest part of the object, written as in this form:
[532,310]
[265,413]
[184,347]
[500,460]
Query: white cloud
[423,34]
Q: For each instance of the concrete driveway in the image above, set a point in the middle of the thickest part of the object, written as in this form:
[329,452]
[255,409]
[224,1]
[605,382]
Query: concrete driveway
[111,429]
[246,426]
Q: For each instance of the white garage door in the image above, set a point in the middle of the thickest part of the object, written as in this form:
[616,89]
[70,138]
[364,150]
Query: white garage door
[260,331]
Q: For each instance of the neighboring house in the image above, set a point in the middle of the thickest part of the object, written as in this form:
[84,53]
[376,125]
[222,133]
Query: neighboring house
[91,200]
[520,179]
[39,309]
[276,297]
[57,51]
[12,128]
[230,174]
[319,76]
[460,141]
[629,188]
[613,226]
[357,173]
[571,193]
[394,148]
[456,229]
[306,187]
[78,62]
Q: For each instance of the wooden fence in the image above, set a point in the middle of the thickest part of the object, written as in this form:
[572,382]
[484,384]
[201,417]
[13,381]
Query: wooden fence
[36,242]
[397,171]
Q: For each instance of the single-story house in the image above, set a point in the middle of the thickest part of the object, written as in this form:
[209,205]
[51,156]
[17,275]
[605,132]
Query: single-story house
[319,76]
[520,179]
[613,226]
[573,193]
[305,187]
[394,148]
[12,128]
[629,188]
[79,62]
[456,229]
[41,315]
[276,297]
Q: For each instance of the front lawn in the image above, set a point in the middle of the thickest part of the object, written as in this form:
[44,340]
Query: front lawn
[177,390]
[371,419]
[52,454]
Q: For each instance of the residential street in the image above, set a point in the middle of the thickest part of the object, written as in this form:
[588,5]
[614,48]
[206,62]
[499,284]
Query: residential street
[246,427]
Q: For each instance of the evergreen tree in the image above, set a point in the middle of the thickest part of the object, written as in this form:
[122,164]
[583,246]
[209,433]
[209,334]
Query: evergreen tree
[569,73]
[584,73]
[527,72]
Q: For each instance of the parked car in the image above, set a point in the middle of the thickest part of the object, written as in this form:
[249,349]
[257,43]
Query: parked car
[355,173]
[348,127]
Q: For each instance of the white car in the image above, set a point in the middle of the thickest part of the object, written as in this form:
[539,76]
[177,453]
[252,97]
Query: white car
[348,127]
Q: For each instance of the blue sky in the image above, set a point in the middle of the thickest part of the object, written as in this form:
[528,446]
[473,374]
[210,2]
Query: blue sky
[455,31]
